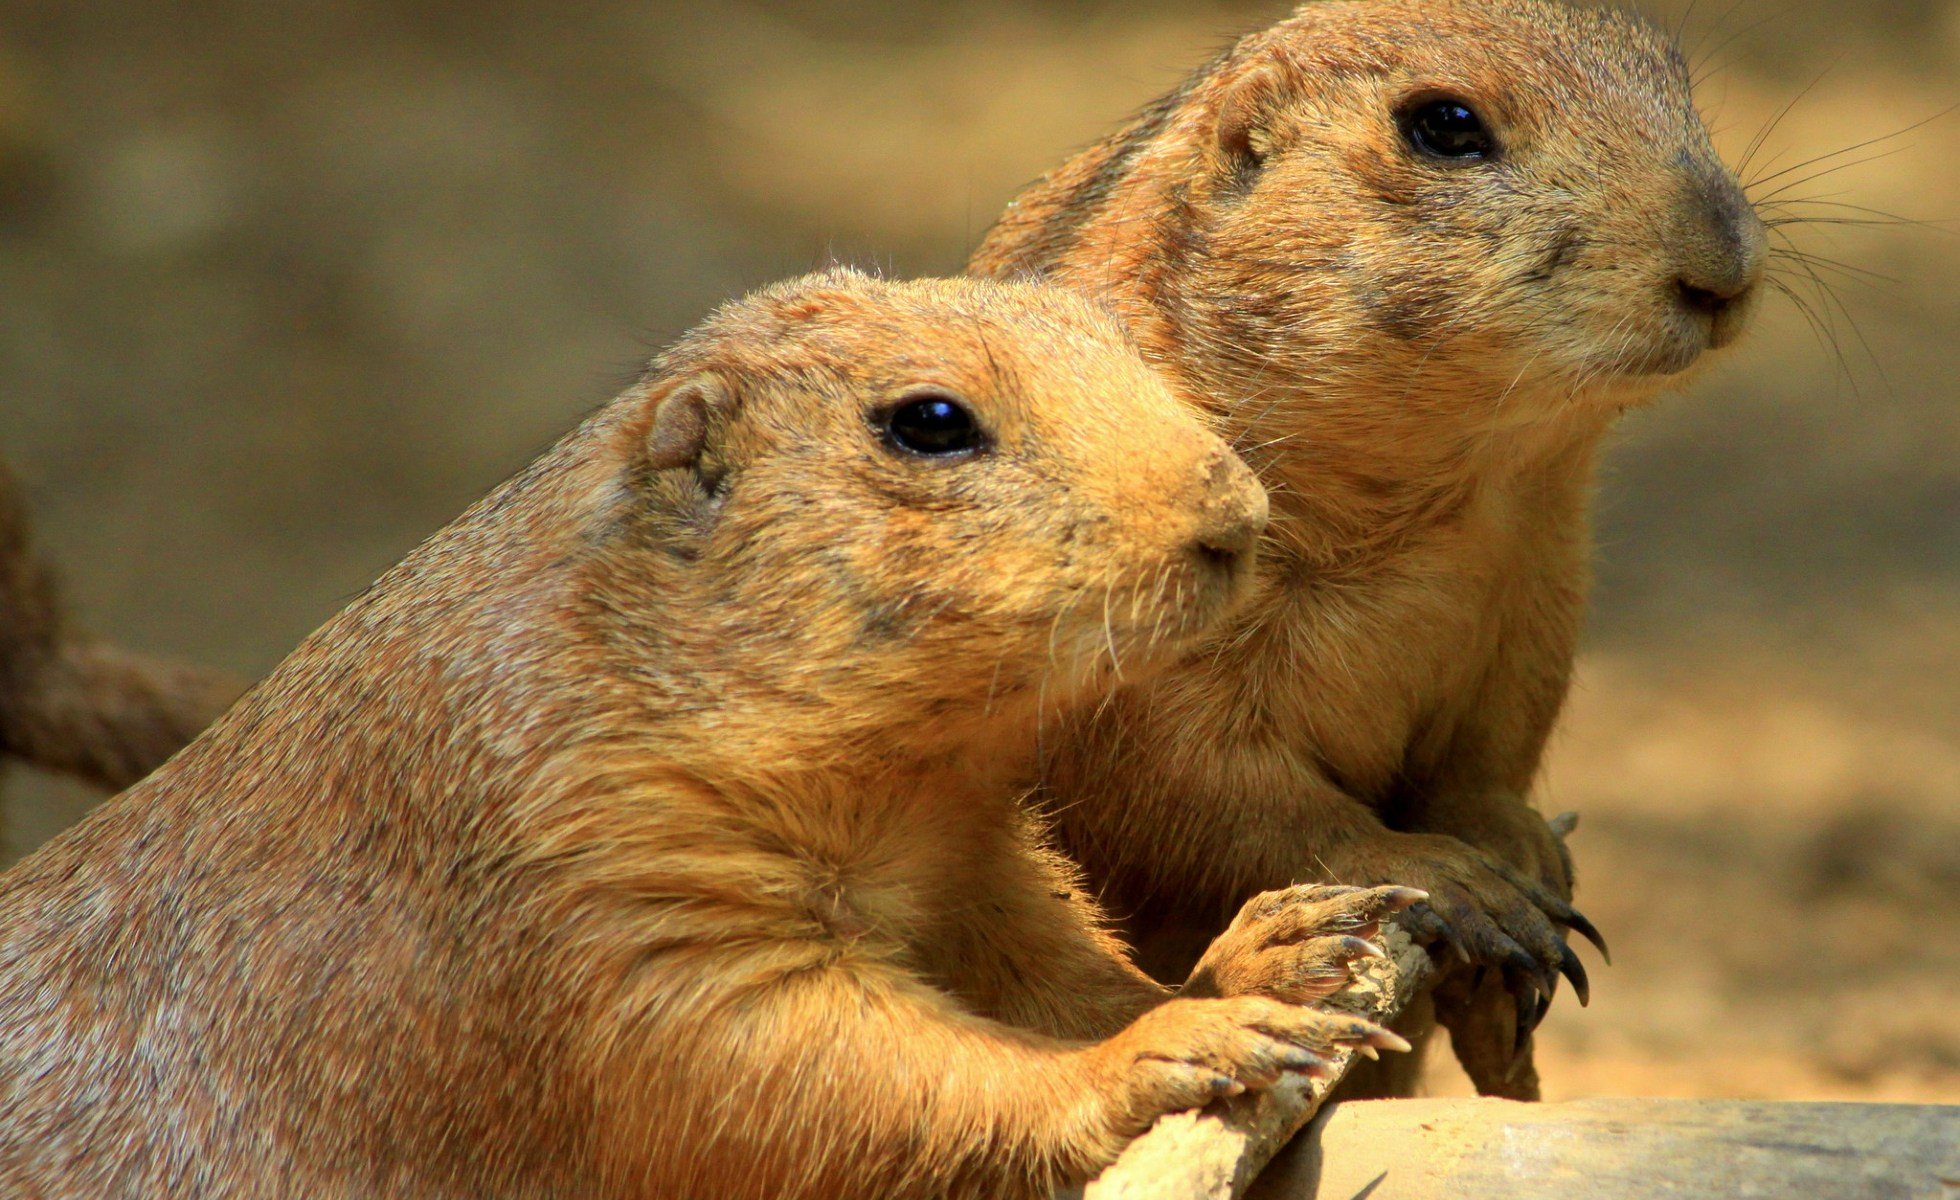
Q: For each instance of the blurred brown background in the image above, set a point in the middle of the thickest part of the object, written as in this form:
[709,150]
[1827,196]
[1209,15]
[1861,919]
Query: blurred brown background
[284,286]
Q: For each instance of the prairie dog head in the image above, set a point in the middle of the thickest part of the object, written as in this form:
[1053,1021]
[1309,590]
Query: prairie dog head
[1469,198]
[876,502]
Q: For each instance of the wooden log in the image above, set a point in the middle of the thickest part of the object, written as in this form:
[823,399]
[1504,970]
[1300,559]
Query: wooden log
[1214,1154]
[1620,1150]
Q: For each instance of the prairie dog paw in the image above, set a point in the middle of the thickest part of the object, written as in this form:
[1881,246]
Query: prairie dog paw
[1486,912]
[1297,943]
[1186,1053]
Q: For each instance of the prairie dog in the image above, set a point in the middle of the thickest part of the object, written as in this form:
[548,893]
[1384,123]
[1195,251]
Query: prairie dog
[1415,258]
[649,831]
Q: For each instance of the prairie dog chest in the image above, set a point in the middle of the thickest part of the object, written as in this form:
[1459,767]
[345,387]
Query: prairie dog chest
[1362,662]
[892,865]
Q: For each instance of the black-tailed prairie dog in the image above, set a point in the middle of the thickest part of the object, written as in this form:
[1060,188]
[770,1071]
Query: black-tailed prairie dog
[650,830]
[1415,257]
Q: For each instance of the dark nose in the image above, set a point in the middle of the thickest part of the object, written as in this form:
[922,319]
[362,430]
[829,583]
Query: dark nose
[1709,302]
[1232,514]
[1722,245]
[1225,548]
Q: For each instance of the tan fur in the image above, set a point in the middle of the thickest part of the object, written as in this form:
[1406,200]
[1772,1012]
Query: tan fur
[73,704]
[648,831]
[1420,359]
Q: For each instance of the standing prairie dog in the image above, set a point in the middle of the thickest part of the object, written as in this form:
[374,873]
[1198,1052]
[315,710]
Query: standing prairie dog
[1415,258]
[649,831]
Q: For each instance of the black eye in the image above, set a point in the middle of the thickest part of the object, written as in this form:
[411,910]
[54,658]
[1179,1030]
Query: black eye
[1448,129]
[934,423]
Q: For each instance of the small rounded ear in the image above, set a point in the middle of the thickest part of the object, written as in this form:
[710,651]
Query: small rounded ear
[680,422]
[1243,131]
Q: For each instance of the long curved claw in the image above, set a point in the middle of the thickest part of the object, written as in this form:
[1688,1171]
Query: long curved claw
[1538,1018]
[1428,925]
[1557,909]
[1397,899]
[1576,921]
[1525,1000]
[1542,975]
[1570,967]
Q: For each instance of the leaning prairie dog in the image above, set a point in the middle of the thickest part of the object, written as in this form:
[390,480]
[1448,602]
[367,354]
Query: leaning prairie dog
[77,705]
[1415,258]
[650,830]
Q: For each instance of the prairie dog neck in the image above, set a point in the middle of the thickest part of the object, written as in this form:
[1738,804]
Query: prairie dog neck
[1353,478]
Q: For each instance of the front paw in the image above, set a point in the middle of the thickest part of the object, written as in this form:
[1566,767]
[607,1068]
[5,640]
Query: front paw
[1298,943]
[1513,832]
[1504,825]
[1487,912]
[1186,1053]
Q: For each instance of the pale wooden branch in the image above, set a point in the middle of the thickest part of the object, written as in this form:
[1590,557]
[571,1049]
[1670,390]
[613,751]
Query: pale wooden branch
[1214,1154]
